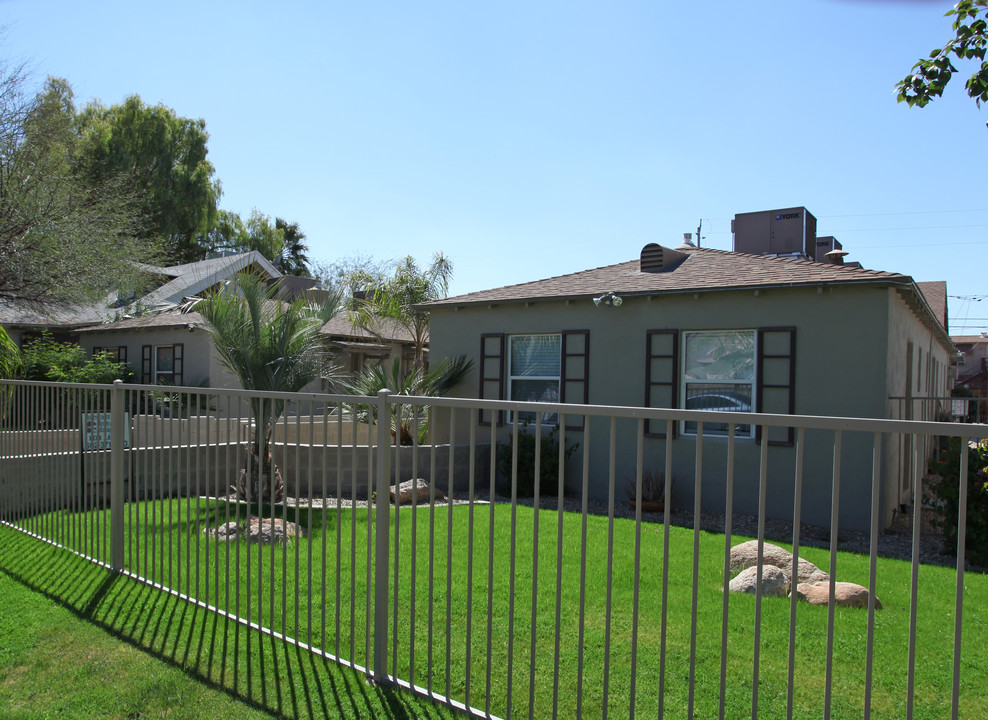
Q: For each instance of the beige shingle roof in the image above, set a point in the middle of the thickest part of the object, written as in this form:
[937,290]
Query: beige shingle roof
[936,297]
[339,327]
[704,269]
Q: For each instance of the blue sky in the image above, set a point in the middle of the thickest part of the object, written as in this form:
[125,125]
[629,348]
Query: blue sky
[530,139]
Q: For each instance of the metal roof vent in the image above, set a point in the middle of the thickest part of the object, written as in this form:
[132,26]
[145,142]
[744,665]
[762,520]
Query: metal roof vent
[655,258]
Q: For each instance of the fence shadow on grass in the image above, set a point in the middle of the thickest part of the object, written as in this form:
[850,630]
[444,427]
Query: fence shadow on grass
[259,670]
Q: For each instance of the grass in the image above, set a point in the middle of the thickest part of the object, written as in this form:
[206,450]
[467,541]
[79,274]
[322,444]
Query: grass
[439,585]
[79,642]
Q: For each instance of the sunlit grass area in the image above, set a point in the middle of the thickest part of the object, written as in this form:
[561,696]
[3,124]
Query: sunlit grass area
[442,610]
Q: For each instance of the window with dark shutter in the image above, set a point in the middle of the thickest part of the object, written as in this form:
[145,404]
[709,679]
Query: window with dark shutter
[574,379]
[776,381]
[491,373]
[179,364]
[146,367]
[661,376]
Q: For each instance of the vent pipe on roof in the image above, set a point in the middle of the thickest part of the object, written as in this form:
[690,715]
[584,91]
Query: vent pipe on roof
[655,258]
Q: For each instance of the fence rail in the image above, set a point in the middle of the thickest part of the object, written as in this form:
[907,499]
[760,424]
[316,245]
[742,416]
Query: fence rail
[565,605]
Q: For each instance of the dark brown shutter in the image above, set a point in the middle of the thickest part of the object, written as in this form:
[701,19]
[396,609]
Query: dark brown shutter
[97,350]
[661,376]
[179,355]
[776,380]
[146,364]
[122,353]
[574,372]
[491,373]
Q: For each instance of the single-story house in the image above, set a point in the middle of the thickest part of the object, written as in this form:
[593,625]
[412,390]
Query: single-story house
[710,329]
[165,345]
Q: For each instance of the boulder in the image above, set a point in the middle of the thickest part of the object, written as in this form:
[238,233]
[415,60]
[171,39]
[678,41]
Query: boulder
[225,532]
[418,488]
[745,555]
[268,530]
[775,582]
[845,594]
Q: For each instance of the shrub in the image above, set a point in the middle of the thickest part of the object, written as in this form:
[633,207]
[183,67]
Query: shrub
[548,466]
[944,491]
[653,486]
[44,358]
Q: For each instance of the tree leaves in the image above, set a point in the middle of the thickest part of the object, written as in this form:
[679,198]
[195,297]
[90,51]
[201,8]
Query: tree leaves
[930,76]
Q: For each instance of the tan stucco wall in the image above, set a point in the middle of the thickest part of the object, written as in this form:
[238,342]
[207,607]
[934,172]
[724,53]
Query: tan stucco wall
[918,361]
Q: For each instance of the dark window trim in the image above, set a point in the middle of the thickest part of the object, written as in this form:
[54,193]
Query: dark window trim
[650,382]
[498,378]
[564,379]
[790,386]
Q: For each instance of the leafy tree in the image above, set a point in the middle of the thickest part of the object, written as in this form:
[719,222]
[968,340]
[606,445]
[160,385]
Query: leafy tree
[353,275]
[270,346]
[293,258]
[931,75]
[164,158]
[65,238]
[280,242]
[395,298]
[435,382]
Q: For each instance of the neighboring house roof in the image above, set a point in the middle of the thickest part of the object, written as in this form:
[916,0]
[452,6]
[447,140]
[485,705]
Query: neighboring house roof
[192,278]
[968,339]
[386,330]
[704,269]
[182,281]
[339,328]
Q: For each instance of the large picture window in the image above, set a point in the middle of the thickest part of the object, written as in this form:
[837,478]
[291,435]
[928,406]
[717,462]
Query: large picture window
[719,375]
[534,370]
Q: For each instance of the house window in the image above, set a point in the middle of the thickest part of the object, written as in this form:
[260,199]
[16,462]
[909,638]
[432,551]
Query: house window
[719,375]
[117,354]
[533,371]
[162,364]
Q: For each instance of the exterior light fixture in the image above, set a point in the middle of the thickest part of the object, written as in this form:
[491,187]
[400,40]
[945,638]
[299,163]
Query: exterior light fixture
[608,298]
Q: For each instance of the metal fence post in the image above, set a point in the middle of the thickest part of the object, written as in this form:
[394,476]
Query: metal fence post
[117,399]
[382,516]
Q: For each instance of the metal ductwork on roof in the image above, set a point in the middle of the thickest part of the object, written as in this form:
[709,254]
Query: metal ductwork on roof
[655,258]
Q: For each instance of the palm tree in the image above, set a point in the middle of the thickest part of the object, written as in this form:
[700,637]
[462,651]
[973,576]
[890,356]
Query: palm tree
[10,356]
[435,382]
[270,346]
[396,297]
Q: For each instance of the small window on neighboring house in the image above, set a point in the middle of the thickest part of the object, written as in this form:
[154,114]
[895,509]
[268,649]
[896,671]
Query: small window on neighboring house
[117,354]
[719,375]
[533,371]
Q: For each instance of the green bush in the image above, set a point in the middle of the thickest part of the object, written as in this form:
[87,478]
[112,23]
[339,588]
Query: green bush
[45,358]
[944,491]
[548,467]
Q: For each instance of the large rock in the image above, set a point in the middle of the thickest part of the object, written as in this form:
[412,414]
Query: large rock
[257,530]
[745,555]
[418,488]
[845,594]
[775,582]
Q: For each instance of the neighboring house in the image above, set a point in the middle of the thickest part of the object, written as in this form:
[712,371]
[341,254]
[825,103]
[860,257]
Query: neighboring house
[709,329]
[971,362]
[164,345]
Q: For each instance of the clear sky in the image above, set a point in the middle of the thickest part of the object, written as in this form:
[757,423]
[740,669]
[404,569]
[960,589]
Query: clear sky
[531,139]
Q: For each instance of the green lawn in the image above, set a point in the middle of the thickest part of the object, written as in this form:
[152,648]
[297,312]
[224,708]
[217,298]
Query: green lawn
[462,604]
[79,642]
